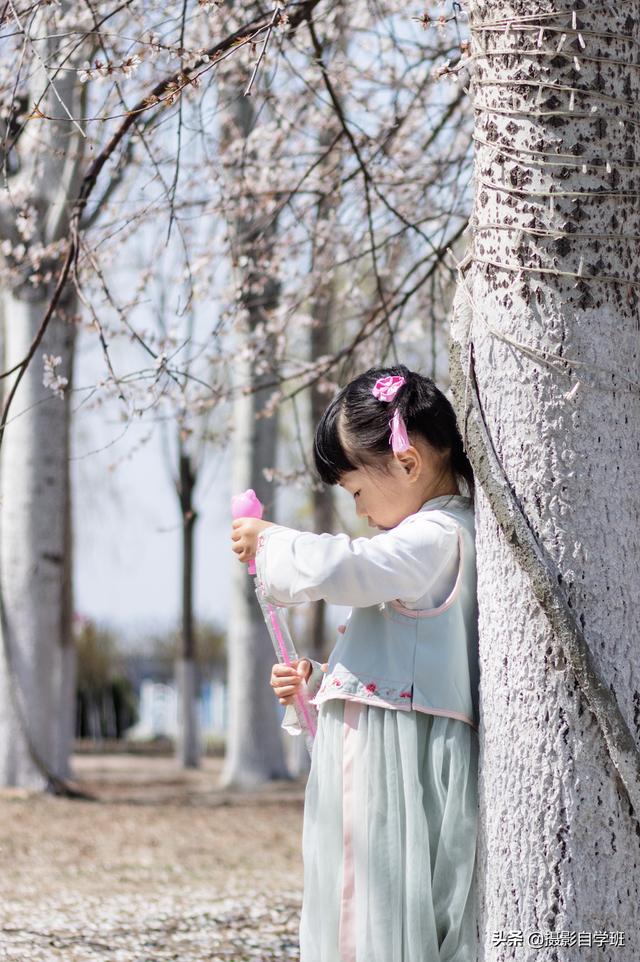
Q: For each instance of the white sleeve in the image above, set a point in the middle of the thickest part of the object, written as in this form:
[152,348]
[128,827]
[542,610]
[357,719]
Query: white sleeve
[298,566]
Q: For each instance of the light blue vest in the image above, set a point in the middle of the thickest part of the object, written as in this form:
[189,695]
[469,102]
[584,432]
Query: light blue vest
[401,658]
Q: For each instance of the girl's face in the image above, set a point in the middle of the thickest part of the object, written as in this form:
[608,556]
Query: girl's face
[416,475]
[372,498]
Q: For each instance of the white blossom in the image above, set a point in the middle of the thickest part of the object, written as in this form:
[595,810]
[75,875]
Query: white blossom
[51,379]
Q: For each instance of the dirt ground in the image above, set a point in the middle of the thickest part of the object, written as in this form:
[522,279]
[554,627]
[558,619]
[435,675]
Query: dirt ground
[164,865]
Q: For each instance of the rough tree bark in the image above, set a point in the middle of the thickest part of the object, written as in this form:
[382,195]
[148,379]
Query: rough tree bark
[544,364]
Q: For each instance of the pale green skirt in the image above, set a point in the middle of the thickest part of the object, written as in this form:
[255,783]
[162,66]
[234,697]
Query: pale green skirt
[389,837]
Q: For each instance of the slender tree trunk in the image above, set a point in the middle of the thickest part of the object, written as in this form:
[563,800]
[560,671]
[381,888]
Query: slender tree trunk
[320,345]
[34,490]
[545,359]
[254,751]
[187,681]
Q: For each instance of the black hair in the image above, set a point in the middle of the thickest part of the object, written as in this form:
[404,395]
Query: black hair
[354,430]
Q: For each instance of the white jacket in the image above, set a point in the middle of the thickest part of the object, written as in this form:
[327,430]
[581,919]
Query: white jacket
[411,637]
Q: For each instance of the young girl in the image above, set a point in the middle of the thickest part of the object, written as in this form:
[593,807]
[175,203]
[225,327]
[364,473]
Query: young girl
[389,832]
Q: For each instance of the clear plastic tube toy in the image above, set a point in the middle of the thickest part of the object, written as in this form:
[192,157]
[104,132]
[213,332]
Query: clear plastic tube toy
[247,505]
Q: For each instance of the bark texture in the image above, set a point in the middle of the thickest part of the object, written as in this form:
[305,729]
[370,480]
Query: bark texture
[551,348]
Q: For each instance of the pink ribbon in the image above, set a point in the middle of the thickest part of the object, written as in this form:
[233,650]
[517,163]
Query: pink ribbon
[385,389]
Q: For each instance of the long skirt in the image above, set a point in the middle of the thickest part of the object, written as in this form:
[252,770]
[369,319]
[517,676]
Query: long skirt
[389,837]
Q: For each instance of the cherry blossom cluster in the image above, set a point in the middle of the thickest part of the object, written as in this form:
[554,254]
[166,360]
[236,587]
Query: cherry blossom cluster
[273,234]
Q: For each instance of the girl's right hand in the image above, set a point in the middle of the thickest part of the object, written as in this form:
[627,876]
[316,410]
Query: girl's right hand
[286,679]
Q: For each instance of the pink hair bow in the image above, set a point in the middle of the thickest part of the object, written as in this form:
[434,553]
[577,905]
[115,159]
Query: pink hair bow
[385,389]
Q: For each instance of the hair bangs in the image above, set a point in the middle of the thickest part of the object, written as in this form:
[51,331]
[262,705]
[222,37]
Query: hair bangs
[329,453]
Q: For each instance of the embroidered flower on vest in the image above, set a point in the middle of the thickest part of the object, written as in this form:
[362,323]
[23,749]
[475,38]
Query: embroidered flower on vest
[348,685]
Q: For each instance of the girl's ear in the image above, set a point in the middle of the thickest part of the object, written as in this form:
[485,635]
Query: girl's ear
[410,460]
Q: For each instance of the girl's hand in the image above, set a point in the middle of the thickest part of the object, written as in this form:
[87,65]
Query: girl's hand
[286,679]
[244,535]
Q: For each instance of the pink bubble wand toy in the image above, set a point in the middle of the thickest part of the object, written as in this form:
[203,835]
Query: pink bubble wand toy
[247,505]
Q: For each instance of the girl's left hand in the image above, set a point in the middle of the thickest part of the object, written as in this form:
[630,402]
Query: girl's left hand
[244,535]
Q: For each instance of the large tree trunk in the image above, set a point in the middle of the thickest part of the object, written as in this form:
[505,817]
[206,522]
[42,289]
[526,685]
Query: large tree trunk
[36,655]
[553,358]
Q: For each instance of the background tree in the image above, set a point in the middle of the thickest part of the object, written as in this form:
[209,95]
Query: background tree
[254,750]
[41,232]
[184,459]
[42,168]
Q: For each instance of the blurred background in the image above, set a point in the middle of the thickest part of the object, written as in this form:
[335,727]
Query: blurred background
[213,216]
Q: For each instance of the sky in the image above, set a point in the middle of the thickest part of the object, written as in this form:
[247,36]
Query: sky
[126,521]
